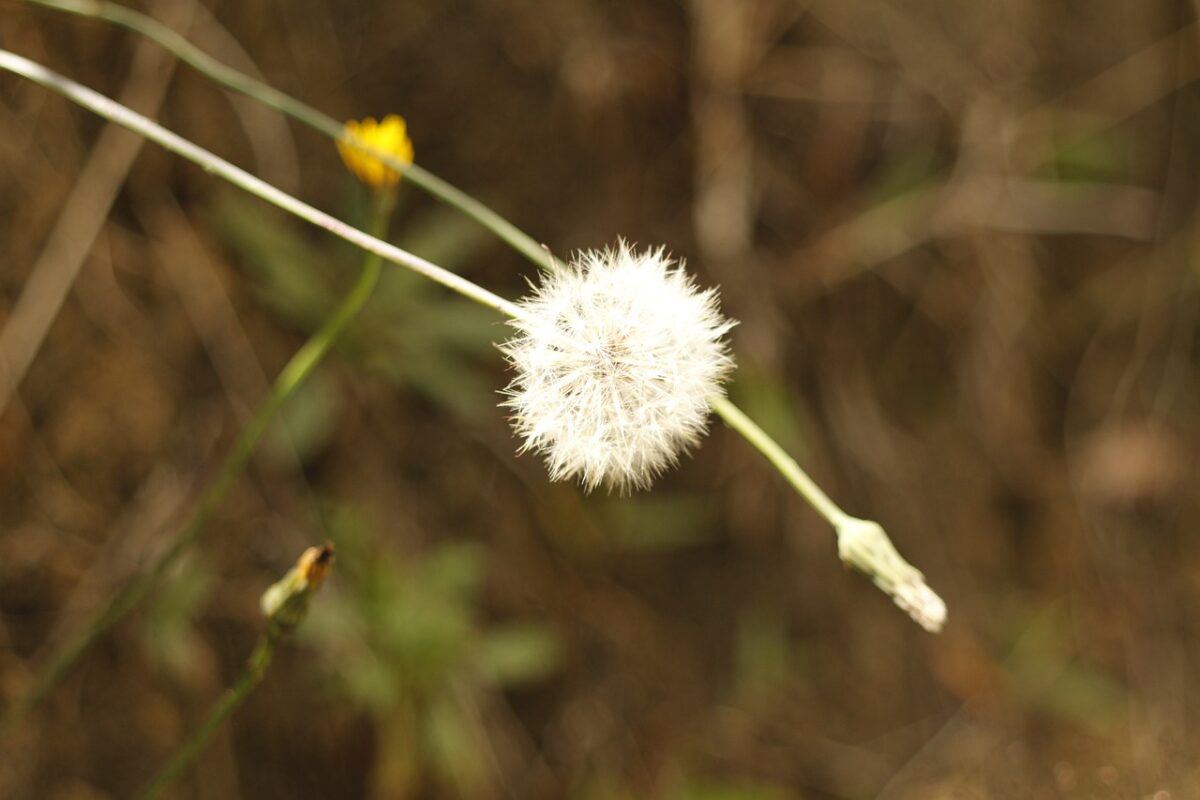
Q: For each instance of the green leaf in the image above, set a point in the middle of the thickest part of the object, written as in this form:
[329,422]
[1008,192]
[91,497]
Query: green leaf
[371,682]
[455,568]
[520,653]
[1101,157]
[285,266]
[901,175]
[1046,675]
[455,748]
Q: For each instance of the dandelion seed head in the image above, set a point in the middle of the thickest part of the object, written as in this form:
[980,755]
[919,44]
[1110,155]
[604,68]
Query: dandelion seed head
[616,356]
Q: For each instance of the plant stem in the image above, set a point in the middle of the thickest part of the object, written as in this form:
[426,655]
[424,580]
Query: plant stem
[735,418]
[252,675]
[240,82]
[209,162]
[285,604]
[293,374]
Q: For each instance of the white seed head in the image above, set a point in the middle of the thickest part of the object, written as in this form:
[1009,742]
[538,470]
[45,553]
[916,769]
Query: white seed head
[616,356]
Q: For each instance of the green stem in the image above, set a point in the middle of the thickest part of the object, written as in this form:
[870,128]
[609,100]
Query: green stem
[252,675]
[115,112]
[735,418]
[231,78]
[293,374]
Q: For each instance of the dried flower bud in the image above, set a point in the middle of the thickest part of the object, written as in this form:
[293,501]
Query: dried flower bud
[286,601]
[617,355]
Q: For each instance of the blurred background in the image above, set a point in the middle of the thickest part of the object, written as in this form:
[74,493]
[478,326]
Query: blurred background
[961,239]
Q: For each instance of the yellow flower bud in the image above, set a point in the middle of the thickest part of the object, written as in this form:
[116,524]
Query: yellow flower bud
[389,136]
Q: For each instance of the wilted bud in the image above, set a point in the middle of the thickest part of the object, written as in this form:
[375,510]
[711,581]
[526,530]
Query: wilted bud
[286,602]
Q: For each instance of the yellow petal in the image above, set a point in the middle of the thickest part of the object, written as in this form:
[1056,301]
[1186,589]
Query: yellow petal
[389,136]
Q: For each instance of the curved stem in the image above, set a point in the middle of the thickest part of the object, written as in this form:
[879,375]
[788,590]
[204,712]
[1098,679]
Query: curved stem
[518,239]
[735,418]
[231,78]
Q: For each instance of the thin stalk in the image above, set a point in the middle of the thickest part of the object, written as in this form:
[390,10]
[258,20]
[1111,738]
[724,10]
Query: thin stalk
[735,418]
[293,374]
[240,82]
[115,112]
[252,675]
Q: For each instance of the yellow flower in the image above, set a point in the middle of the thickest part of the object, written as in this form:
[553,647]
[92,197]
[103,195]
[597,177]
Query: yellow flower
[389,136]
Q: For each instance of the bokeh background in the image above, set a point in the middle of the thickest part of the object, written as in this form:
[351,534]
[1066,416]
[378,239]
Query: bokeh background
[961,239]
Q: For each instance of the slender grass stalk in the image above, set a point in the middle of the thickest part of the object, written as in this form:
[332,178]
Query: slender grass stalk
[240,82]
[735,418]
[252,675]
[518,239]
[469,206]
